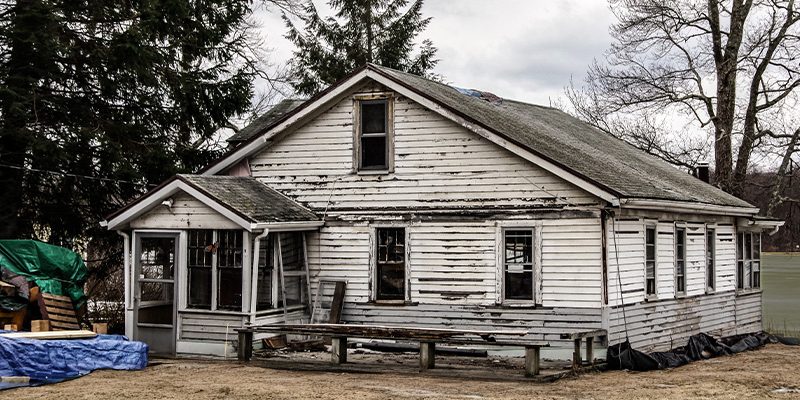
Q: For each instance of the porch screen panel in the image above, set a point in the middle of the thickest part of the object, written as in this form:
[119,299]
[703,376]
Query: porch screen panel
[518,265]
[266,268]
[293,268]
[200,257]
[229,270]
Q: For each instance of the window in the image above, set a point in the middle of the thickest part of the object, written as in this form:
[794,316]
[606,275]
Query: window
[650,260]
[200,266]
[680,261]
[374,139]
[748,260]
[518,265]
[215,252]
[391,263]
[266,270]
[710,260]
[229,270]
[269,293]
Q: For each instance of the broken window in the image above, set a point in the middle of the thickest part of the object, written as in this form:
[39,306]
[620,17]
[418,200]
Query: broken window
[199,263]
[650,260]
[391,263]
[710,260]
[215,252]
[748,260]
[518,264]
[680,261]
[373,135]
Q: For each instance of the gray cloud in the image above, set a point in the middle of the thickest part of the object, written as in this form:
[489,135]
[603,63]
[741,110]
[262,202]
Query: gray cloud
[526,50]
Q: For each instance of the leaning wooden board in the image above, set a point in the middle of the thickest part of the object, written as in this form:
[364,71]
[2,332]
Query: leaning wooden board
[83,334]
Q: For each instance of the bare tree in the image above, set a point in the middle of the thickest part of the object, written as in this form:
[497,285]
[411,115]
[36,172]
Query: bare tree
[722,68]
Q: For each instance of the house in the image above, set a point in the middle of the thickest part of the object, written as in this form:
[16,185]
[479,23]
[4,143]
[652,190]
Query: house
[439,207]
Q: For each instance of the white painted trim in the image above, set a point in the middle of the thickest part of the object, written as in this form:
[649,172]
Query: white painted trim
[256,145]
[165,192]
[288,226]
[687,207]
[218,349]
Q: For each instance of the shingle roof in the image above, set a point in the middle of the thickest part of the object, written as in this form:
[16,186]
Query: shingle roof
[564,140]
[250,198]
[265,120]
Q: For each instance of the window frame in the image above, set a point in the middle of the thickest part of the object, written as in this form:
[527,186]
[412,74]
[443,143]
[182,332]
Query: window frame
[503,265]
[375,267]
[654,294]
[745,261]
[711,259]
[680,231]
[215,270]
[358,101]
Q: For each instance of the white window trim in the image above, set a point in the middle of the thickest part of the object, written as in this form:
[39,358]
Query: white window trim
[747,288]
[536,228]
[368,97]
[683,226]
[654,225]
[246,273]
[373,262]
[713,228]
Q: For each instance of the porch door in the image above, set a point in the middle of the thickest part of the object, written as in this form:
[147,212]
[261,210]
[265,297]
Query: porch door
[154,300]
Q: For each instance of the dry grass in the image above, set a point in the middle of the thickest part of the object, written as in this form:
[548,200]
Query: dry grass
[756,375]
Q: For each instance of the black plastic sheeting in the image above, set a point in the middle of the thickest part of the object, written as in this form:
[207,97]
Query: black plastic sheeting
[698,347]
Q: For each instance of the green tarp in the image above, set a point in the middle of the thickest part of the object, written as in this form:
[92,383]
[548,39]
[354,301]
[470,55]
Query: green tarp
[54,269]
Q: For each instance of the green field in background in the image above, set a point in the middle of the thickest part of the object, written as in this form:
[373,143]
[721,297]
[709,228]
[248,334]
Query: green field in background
[780,279]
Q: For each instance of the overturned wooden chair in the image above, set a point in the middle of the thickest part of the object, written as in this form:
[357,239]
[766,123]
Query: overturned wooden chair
[59,311]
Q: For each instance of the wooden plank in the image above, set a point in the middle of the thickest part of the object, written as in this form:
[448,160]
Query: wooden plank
[57,297]
[585,334]
[74,334]
[532,357]
[339,350]
[427,355]
[383,331]
[338,303]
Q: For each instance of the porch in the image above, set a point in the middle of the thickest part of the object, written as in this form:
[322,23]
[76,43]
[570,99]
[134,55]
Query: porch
[207,255]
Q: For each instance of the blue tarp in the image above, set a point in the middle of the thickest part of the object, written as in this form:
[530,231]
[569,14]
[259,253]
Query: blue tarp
[51,361]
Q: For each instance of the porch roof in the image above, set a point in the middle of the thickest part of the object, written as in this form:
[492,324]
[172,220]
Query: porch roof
[244,200]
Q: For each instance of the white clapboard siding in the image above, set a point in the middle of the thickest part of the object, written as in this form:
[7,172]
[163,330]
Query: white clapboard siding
[186,213]
[625,260]
[665,324]
[572,265]
[665,259]
[455,262]
[211,327]
[452,262]
[725,258]
[695,259]
[437,164]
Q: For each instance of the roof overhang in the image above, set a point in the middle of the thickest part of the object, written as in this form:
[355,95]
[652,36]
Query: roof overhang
[156,197]
[338,91]
[762,224]
[688,207]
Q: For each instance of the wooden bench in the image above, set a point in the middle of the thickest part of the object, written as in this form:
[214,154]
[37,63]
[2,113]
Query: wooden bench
[427,338]
[578,337]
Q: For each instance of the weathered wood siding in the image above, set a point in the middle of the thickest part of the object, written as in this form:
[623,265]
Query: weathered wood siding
[625,260]
[661,325]
[186,213]
[438,165]
[209,327]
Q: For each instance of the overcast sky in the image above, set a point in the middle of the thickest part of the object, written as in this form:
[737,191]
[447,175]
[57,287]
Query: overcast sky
[520,49]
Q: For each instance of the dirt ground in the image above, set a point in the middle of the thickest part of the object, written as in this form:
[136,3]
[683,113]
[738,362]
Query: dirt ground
[771,372]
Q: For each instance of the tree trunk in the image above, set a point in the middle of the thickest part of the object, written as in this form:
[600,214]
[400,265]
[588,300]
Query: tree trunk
[726,60]
[15,106]
[780,178]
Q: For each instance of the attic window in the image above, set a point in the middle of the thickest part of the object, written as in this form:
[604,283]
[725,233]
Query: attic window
[374,135]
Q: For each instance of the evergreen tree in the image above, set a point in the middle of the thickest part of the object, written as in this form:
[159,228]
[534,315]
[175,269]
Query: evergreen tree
[101,99]
[363,31]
